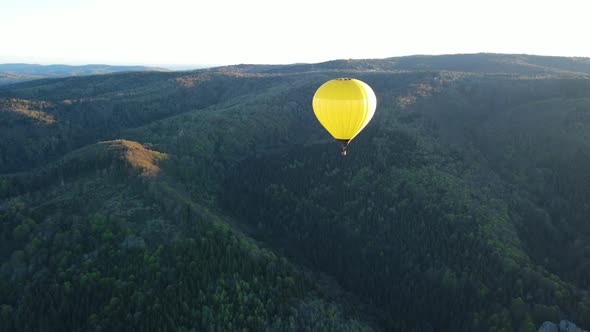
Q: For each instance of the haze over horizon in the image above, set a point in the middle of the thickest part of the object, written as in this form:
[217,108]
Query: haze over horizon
[183,33]
[181,67]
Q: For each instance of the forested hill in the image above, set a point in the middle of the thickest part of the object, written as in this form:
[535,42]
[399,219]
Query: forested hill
[214,200]
[11,73]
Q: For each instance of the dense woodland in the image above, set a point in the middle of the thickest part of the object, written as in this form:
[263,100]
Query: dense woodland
[213,200]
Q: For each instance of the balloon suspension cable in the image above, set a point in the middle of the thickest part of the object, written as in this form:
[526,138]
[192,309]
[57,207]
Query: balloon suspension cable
[344,144]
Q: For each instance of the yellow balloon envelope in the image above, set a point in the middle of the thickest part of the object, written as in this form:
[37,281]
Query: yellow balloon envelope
[344,106]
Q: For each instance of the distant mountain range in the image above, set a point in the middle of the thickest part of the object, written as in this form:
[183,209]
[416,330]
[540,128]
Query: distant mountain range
[20,72]
[488,63]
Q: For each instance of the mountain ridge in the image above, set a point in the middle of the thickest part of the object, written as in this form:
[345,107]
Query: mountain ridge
[472,62]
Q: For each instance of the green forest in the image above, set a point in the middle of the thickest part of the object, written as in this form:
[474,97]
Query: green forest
[213,200]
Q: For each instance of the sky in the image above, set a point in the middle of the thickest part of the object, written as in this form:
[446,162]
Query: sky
[220,32]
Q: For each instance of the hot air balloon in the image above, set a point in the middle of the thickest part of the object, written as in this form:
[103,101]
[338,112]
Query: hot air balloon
[344,106]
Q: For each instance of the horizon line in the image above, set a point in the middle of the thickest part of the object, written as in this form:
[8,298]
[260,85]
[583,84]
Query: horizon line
[181,66]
